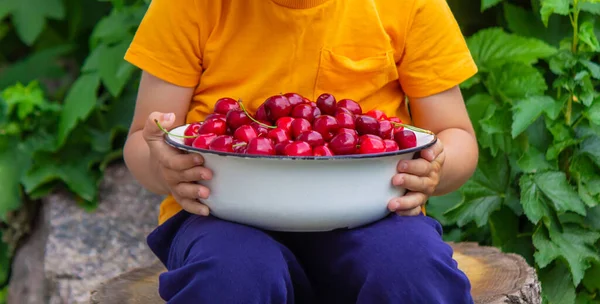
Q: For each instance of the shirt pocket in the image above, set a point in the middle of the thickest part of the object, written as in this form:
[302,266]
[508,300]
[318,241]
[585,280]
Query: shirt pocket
[354,77]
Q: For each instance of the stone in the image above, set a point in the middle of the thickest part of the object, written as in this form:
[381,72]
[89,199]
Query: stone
[71,250]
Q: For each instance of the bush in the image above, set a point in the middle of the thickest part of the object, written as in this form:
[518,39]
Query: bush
[535,105]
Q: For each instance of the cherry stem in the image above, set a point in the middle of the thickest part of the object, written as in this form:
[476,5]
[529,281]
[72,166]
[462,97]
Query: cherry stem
[251,117]
[412,127]
[239,144]
[171,134]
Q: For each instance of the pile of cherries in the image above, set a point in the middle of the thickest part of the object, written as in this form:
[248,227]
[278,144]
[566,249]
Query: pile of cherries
[292,125]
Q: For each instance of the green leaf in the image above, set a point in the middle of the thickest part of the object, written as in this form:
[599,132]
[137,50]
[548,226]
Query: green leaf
[504,227]
[549,7]
[484,193]
[574,244]
[493,46]
[591,280]
[556,284]
[590,7]
[593,67]
[115,72]
[591,147]
[79,102]
[513,81]
[588,37]
[593,218]
[29,17]
[496,124]
[485,4]
[562,62]
[14,160]
[555,186]
[593,112]
[557,148]
[533,160]
[535,205]
[526,111]
[438,205]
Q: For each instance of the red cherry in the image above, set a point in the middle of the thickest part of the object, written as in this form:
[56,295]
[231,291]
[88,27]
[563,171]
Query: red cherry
[239,146]
[316,112]
[217,126]
[215,115]
[395,122]
[294,98]
[405,139]
[343,110]
[192,129]
[277,106]
[237,118]
[300,125]
[386,129]
[349,131]
[306,100]
[223,143]
[345,120]
[370,144]
[367,125]
[351,105]
[377,114]
[278,135]
[395,119]
[343,143]
[298,148]
[285,123]
[313,138]
[261,114]
[304,111]
[326,103]
[203,140]
[280,147]
[326,125]
[322,151]
[224,105]
[261,130]
[261,146]
[245,133]
[390,145]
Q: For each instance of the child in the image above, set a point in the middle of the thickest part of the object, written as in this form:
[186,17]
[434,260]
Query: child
[194,52]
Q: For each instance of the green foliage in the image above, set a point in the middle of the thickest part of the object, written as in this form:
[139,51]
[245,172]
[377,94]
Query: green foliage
[536,109]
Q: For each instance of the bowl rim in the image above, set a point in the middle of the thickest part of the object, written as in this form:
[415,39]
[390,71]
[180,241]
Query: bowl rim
[184,147]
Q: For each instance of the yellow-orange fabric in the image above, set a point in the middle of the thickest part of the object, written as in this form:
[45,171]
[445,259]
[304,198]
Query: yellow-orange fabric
[376,52]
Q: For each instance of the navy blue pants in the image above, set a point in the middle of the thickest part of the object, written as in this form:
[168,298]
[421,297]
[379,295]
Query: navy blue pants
[395,260]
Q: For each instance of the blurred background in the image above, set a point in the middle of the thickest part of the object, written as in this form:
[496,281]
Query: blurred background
[67,96]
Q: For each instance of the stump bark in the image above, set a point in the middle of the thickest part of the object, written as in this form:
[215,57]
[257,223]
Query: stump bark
[495,277]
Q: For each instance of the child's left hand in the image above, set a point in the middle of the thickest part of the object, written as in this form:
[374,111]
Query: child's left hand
[420,177]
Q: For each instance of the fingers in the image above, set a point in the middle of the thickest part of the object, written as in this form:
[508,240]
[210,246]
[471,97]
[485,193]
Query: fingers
[151,130]
[418,167]
[408,202]
[415,183]
[412,212]
[182,161]
[432,152]
[190,191]
[194,207]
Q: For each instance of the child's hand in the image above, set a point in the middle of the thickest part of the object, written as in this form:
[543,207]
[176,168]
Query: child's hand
[420,177]
[179,170]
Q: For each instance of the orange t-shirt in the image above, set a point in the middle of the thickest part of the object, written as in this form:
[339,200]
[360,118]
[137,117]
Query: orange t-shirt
[376,52]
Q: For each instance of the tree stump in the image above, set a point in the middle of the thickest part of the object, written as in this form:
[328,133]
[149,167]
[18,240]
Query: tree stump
[496,278]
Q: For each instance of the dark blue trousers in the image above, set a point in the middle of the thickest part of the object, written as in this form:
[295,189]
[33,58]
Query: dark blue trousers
[395,260]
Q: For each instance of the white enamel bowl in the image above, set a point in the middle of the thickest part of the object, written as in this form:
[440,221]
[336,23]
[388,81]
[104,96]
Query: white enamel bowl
[301,193]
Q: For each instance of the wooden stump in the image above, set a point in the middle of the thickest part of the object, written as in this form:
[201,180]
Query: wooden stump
[496,278]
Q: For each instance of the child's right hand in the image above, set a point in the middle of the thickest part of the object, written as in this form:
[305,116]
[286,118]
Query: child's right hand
[179,170]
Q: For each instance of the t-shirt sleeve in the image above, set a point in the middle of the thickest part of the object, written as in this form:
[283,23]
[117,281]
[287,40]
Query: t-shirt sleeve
[167,42]
[435,56]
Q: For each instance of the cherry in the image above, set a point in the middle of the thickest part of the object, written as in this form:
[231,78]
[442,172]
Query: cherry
[313,138]
[237,118]
[322,151]
[349,131]
[300,125]
[261,114]
[278,135]
[261,130]
[326,103]
[223,143]
[298,148]
[280,147]
[351,105]
[239,146]
[367,125]
[245,133]
[405,139]
[224,105]
[294,98]
[261,146]
[316,112]
[390,145]
[343,143]
[285,123]
[386,129]
[304,111]
[217,126]
[396,121]
[370,144]
[306,100]
[203,140]
[377,114]
[215,115]
[343,110]
[345,120]
[326,125]
[192,129]
[277,106]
